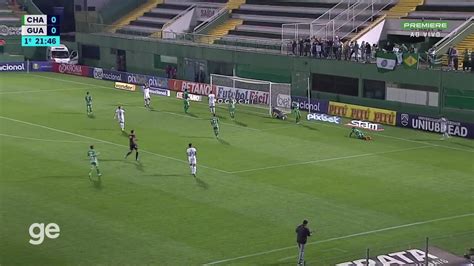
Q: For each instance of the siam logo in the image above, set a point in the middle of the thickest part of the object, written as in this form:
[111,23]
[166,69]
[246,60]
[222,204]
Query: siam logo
[98,73]
[365,125]
[12,67]
[405,119]
[39,230]
[324,118]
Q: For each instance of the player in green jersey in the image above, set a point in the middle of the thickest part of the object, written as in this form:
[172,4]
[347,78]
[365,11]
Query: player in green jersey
[186,100]
[215,125]
[93,160]
[232,103]
[88,99]
[296,110]
[359,134]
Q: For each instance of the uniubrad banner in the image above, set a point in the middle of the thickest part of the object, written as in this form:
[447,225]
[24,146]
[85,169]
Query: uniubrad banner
[430,124]
[312,106]
[363,113]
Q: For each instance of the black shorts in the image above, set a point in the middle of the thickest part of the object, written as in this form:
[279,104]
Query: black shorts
[133,147]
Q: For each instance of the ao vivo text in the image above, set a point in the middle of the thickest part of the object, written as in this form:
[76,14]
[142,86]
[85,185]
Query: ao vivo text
[39,230]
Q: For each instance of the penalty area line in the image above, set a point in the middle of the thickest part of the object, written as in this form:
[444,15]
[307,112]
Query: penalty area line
[106,142]
[344,237]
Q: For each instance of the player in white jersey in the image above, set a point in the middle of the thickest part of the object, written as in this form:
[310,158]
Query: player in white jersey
[443,122]
[212,102]
[120,116]
[146,95]
[191,152]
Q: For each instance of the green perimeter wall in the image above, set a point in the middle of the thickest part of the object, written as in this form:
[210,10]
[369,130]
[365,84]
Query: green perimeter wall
[140,56]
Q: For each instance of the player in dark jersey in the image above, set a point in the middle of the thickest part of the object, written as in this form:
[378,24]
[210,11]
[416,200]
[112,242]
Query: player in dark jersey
[133,145]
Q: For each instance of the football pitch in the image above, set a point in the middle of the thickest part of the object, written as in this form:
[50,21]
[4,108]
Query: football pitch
[253,186]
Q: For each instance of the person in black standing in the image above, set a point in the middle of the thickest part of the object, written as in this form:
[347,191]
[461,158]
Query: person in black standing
[133,145]
[302,234]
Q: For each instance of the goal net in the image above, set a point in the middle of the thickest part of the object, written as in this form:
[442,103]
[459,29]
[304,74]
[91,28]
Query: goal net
[257,93]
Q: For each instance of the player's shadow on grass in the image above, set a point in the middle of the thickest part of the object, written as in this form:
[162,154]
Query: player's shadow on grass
[91,116]
[139,166]
[223,142]
[240,123]
[164,175]
[192,115]
[201,183]
[97,183]
[309,127]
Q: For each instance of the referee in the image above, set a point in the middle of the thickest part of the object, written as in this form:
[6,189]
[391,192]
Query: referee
[302,233]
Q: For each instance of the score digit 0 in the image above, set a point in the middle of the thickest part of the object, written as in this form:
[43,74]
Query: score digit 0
[53,20]
[54,31]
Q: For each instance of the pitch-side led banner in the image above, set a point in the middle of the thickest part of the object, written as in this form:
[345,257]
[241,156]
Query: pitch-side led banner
[460,129]
[254,97]
[359,112]
[77,70]
[192,87]
[192,97]
[125,86]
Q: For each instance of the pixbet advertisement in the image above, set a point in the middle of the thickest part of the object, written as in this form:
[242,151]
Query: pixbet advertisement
[459,129]
[324,118]
[153,81]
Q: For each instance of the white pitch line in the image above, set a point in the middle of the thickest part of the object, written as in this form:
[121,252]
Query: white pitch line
[46,140]
[38,91]
[321,251]
[329,159]
[105,141]
[344,237]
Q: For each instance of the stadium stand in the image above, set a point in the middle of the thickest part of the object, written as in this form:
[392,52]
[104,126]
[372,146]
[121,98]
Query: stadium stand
[444,10]
[152,17]
[8,15]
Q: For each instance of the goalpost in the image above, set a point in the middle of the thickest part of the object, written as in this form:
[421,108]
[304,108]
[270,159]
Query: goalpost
[258,93]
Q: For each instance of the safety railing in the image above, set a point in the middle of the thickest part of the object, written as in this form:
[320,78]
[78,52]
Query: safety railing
[350,19]
[444,42]
[164,29]
[202,27]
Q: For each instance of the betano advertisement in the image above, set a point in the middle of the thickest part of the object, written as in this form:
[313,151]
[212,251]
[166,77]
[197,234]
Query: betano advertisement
[192,87]
[364,113]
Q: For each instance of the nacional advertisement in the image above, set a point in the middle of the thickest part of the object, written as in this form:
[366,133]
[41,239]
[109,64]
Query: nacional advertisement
[459,129]
[160,92]
[125,86]
[41,66]
[99,73]
[313,105]
[77,70]
[12,67]
[192,87]
[411,257]
[359,112]
[254,97]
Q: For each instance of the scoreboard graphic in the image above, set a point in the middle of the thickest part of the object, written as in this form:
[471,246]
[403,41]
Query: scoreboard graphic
[40,31]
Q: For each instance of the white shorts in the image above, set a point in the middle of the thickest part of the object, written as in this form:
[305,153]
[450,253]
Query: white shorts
[212,106]
[192,160]
[146,96]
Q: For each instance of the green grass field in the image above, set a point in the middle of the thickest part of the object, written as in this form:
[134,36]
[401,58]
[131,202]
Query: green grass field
[253,188]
